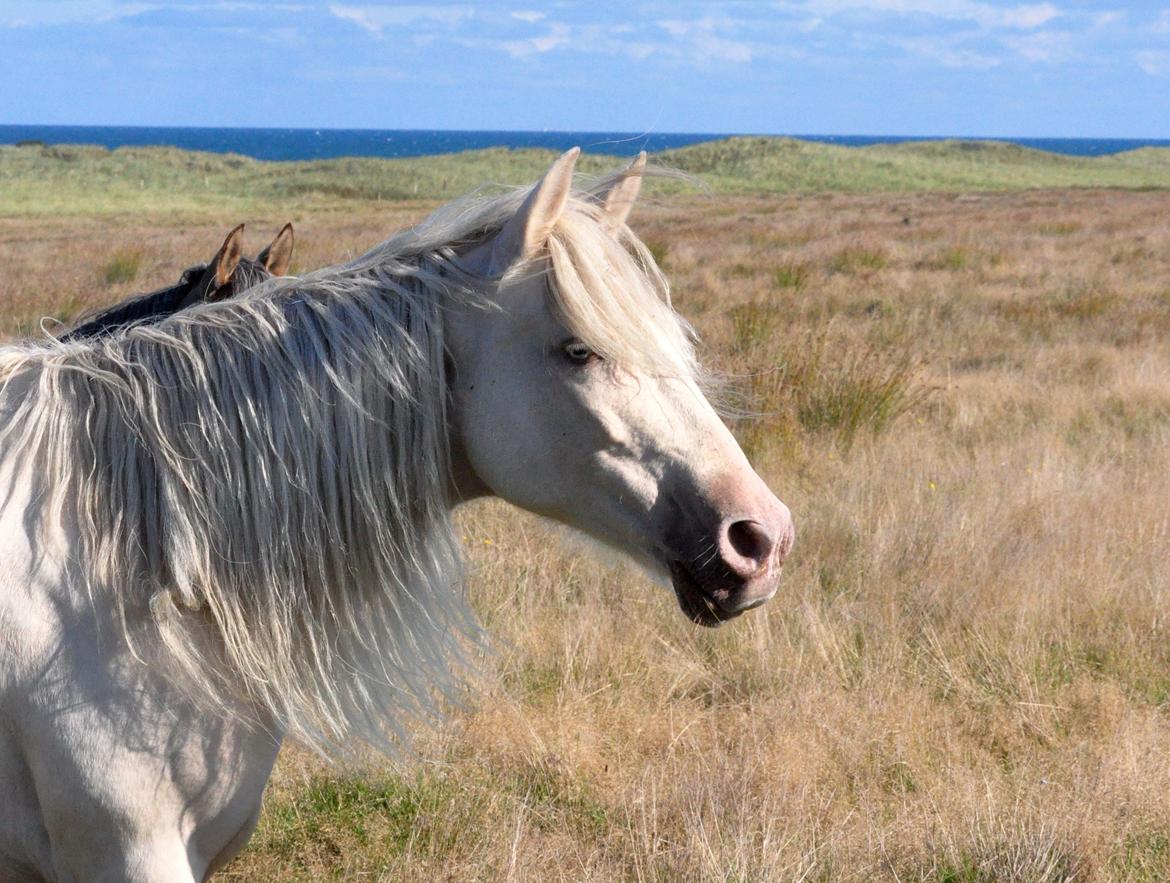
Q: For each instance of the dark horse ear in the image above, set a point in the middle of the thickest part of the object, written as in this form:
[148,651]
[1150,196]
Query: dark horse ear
[228,257]
[217,274]
[277,257]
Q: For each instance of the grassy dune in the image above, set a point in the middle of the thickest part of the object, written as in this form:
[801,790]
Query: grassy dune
[65,179]
[965,400]
[781,165]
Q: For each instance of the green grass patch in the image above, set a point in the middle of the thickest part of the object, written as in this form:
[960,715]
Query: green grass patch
[1060,228]
[896,777]
[388,812]
[1144,856]
[359,825]
[559,800]
[122,267]
[950,260]
[748,164]
[818,385]
[852,393]
[754,325]
[658,250]
[856,260]
[1083,303]
[741,271]
[1077,303]
[791,276]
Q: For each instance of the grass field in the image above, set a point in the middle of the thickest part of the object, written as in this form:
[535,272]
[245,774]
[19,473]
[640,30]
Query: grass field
[963,394]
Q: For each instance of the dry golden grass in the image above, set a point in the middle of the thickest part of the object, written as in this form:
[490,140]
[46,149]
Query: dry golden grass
[965,400]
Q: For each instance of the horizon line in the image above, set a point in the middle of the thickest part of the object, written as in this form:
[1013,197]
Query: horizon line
[631,135]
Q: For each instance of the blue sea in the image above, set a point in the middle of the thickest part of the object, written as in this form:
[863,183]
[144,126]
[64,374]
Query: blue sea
[300,144]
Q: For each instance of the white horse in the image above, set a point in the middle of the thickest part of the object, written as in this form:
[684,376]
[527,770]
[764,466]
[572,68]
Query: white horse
[234,525]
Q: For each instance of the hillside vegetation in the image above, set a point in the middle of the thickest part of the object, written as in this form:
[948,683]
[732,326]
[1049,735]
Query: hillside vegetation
[84,180]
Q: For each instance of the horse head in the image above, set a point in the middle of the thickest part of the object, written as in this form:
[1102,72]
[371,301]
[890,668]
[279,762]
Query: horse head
[229,272]
[578,396]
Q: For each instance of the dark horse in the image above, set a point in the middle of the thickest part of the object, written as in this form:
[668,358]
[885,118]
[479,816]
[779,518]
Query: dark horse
[227,274]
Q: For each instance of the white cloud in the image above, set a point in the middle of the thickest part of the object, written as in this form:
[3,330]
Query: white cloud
[240,6]
[975,34]
[701,41]
[529,15]
[1029,17]
[637,50]
[947,54]
[677,28]
[686,42]
[376,19]
[712,48]
[371,73]
[1153,62]
[292,38]
[1104,19]
[96,12]
[985,15]
[70,12]
[558,35]
[1045,46]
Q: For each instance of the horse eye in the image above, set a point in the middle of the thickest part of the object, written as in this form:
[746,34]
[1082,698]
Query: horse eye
[578,352]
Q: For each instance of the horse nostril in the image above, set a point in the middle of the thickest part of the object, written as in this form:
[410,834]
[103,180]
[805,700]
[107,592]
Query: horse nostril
[752,541]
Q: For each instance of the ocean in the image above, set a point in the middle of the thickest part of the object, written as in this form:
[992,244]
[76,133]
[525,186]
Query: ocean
[303,144]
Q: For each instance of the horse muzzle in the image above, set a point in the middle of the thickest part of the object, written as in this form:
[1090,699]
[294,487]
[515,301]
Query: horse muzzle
[740,571]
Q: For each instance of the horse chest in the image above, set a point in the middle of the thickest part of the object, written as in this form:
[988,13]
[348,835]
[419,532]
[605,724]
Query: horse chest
[98,766]
[98,751]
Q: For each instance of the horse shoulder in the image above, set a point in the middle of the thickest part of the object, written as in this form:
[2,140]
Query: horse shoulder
[99,755]
[29,626]
[29,631]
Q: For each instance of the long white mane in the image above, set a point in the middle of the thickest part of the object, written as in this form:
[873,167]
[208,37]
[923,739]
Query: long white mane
[260,486]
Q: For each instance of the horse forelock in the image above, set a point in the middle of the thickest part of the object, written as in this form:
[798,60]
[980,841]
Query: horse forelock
[248,273]
[608,291]
[604,283]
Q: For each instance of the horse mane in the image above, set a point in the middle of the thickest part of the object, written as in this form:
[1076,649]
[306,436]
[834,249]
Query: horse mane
[158,304]
[271,472]
[162,302]
[260,485]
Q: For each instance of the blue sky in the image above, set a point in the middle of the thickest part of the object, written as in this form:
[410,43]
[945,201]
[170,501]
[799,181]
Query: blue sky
[910,67]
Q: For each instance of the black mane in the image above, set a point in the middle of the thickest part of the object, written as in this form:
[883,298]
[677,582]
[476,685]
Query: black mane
[157,305]
[143,307]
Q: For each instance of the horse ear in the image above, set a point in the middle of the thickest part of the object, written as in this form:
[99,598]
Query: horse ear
[526,232]
[619,199]
[228,257]
[278,255]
